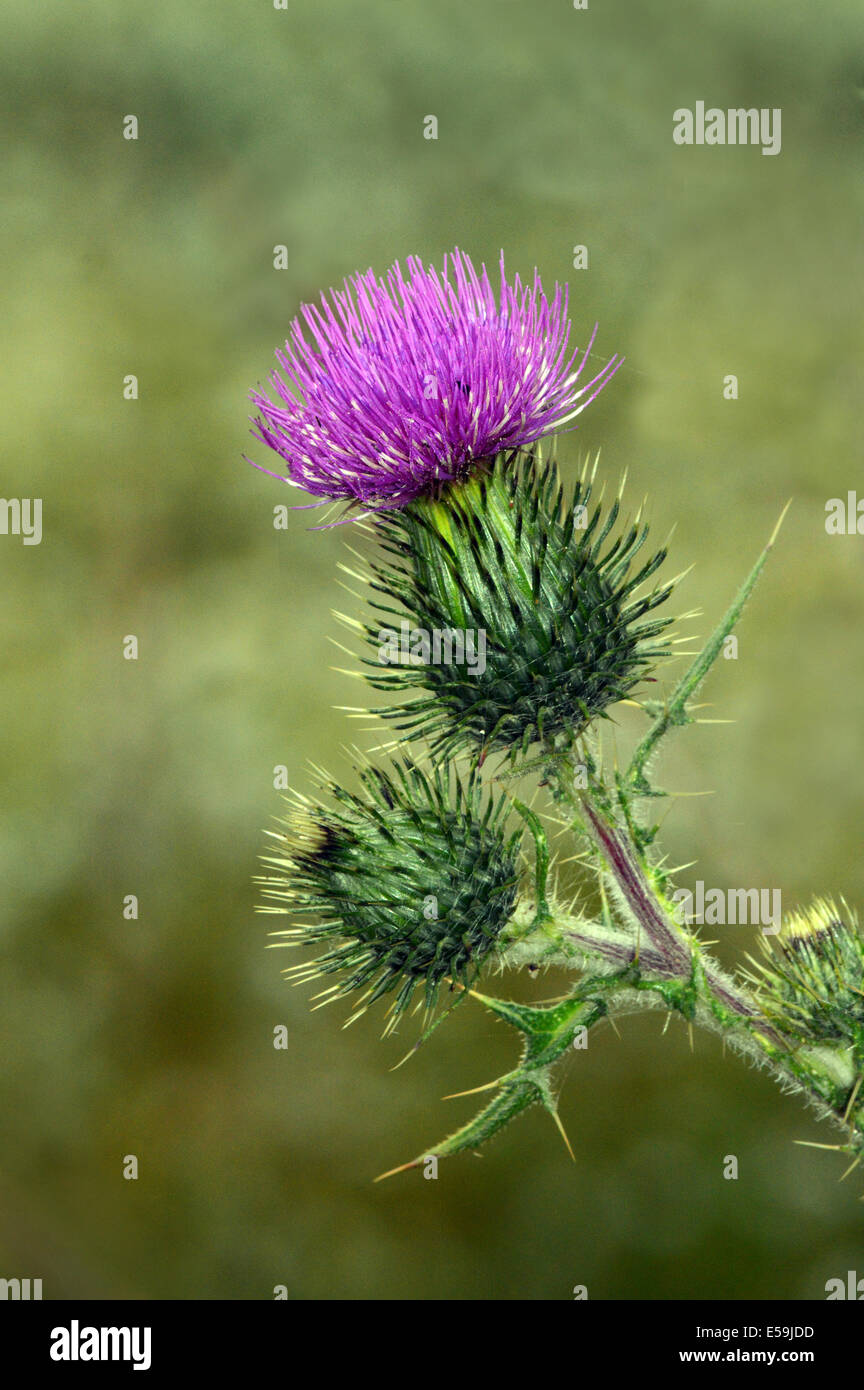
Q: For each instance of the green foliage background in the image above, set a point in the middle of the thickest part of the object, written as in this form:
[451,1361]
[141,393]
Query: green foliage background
[155,257]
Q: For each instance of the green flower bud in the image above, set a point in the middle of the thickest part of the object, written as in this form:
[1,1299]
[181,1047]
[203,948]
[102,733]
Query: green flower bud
[812,984]
[408,884]
[503,563]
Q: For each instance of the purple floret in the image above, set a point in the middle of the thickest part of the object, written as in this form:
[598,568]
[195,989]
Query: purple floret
[408,382]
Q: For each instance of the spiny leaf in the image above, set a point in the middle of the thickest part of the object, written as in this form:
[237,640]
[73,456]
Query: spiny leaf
[674,712]
[548,1033]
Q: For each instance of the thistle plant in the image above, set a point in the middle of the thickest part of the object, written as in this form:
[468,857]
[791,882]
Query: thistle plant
[422,403]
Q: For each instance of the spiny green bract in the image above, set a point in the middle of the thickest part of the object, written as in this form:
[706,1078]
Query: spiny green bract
[504,555]
[412,882]
[812,985]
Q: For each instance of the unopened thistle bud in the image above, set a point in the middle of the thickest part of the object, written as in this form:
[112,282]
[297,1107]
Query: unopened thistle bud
[812,983]
[554,595]
[406,885]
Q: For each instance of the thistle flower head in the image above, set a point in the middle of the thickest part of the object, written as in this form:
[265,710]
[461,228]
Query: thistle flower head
[507,564]
[811,984]
[405,885]
[408,381]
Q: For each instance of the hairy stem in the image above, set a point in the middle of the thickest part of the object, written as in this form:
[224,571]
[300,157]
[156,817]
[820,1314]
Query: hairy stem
[669,966]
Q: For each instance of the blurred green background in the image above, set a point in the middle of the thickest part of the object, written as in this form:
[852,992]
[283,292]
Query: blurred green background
[304,127]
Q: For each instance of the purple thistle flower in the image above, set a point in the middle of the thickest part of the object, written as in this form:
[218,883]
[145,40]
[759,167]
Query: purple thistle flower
[409,382]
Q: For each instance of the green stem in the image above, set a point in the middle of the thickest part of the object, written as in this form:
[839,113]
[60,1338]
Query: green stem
[669,961]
